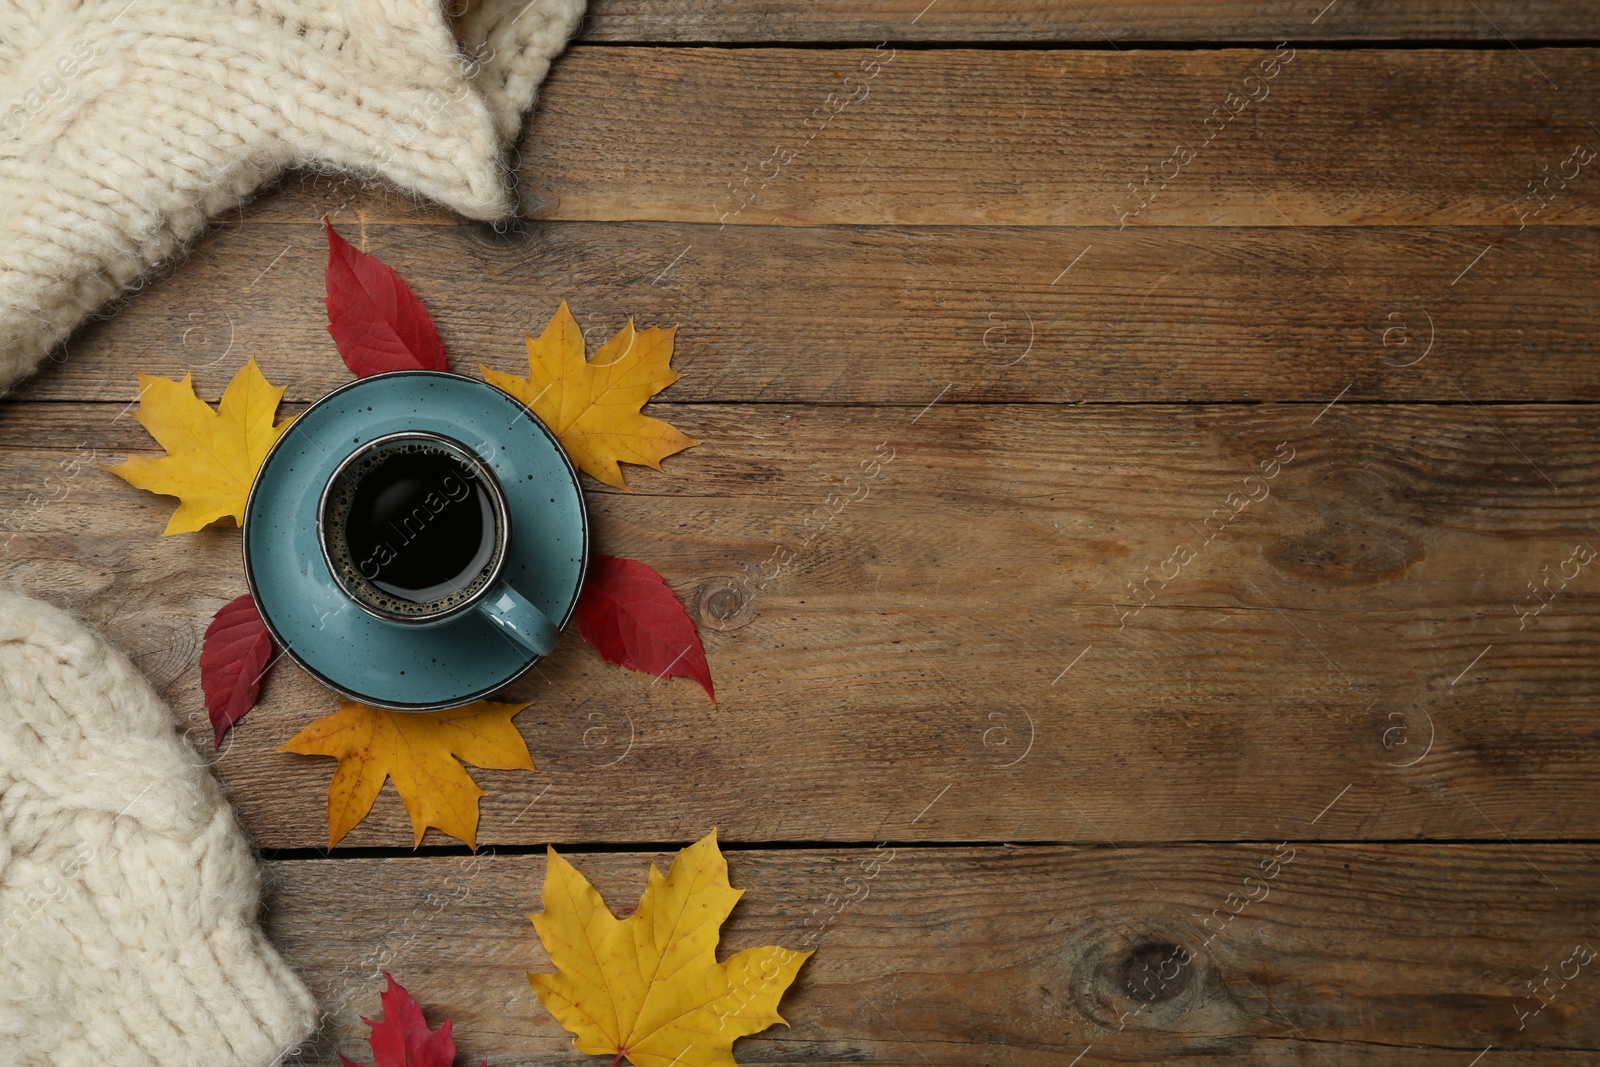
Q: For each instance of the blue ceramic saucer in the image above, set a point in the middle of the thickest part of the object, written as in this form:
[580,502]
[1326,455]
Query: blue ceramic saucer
[384,663]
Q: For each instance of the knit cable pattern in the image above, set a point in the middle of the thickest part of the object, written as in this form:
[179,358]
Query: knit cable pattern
[125,125]
[128,895]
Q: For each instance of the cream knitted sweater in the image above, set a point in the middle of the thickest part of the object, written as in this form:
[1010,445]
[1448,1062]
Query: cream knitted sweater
[127,894]
[126,124]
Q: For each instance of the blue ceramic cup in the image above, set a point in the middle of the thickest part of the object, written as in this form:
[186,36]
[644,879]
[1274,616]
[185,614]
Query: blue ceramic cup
[463,573]
[416,540]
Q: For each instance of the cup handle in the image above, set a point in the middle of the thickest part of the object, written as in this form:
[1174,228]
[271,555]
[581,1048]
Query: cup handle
[521,621]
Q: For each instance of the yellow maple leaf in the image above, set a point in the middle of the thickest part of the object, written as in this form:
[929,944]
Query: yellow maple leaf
[212,456]
[649,987]
[418,750]
[593,406]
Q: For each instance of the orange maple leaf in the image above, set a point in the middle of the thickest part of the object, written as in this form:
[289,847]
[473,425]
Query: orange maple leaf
[593,406]
[212,456]
[419,751]
[649,987]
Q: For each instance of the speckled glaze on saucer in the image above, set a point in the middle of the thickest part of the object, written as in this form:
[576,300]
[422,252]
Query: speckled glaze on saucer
[388,664]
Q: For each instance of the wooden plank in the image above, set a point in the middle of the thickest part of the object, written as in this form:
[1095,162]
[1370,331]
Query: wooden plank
[961,137]
[896,315]
[1087,22]
[953,137]
[986,626]
[1019,957]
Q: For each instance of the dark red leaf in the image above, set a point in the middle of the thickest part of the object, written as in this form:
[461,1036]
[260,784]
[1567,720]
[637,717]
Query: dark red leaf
[402,1038]
[236,653]
[630,616]
[376,321]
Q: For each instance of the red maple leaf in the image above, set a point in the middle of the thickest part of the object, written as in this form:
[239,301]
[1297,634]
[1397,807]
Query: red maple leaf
[628,613]
[377,322]
[402,1038]
[235,654]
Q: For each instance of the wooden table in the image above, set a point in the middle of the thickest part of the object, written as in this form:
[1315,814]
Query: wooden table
[1222,598]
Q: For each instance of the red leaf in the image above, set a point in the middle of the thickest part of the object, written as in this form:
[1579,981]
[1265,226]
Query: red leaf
[403,1039]
[377,322]
[630,616]
[236,653]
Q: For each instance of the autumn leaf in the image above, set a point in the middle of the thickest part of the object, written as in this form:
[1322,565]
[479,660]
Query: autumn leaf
[236,653]
[419,751]
[629,615]
[377,322]
[402,1037]
[594,406]
[212,456]
[649,987]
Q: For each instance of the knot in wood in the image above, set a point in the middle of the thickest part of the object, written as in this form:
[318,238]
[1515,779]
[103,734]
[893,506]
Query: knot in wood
[163,645]
[723,604]
[1153,972]
[1125,980]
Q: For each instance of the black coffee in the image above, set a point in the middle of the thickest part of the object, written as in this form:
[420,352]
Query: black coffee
[413,528]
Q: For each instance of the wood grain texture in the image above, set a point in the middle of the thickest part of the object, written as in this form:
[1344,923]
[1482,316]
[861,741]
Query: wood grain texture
[1087,22]
[1250,660]
[963,137]
[898,315]
[1011,137]
[1018,957]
